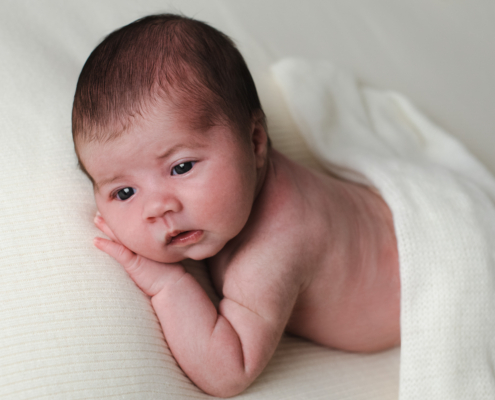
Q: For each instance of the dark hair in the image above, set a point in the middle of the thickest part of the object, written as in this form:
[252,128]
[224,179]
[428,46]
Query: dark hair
[194,67]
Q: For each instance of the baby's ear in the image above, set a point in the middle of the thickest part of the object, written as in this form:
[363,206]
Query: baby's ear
[259,138]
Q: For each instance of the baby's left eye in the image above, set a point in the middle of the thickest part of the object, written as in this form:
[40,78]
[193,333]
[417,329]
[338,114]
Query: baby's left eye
[182,168]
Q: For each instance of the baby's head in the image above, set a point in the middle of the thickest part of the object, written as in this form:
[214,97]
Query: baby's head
[168,126]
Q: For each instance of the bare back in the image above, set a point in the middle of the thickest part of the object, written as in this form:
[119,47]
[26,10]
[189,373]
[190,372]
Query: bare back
[322,253]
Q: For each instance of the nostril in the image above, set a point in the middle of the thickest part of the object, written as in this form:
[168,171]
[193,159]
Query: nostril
[159,207]
[153,210]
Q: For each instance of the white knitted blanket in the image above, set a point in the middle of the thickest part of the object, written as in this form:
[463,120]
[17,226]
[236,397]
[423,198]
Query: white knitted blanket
[442,200]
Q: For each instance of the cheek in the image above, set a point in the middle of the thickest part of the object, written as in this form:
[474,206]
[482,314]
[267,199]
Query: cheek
[128,229]
[226,200]
[118,221]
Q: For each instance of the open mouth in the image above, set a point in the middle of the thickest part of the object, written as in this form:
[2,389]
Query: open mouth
[184,237]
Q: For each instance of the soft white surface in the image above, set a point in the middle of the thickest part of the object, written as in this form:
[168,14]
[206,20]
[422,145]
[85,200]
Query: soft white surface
[73,325]
[444,218]
[439,53]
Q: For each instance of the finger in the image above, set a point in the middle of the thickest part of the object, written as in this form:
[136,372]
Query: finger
[122,254]
[150,276]
[102,226]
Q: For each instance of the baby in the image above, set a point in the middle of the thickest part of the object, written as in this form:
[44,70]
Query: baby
[168,126]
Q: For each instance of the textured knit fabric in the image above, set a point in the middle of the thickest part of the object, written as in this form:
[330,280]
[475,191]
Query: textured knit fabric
[442,201]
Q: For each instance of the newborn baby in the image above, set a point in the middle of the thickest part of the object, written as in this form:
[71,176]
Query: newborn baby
[168,126]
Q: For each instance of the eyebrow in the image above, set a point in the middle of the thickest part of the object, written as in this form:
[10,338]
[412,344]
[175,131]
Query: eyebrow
[166,154]
[175,148]
[104,182]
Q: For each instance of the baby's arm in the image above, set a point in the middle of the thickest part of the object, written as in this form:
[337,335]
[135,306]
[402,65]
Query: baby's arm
[221,351]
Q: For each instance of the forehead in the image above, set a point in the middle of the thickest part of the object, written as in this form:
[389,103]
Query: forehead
[139,142]
[155,136]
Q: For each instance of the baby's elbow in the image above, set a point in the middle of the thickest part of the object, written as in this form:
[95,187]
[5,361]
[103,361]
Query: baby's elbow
[225,392]
[228,385]
[226,388]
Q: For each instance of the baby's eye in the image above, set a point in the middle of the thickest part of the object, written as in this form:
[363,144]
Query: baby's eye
[182,168]
[124,194]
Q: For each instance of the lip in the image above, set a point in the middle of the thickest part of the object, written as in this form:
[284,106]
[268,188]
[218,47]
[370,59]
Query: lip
[184,238]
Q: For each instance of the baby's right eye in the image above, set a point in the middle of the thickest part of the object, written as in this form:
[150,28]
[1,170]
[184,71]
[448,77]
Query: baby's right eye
[126,193]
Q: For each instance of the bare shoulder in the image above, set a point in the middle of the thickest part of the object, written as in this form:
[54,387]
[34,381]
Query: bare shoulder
[271,254]
[311,244]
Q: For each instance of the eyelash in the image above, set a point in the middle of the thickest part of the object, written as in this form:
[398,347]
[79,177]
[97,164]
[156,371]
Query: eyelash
[114,195]
[182,163]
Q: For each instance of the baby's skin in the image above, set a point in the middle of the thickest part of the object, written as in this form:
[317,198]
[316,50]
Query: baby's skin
[288,248]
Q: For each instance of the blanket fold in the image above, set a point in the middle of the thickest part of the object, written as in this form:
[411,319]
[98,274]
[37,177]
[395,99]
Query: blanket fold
[443,203]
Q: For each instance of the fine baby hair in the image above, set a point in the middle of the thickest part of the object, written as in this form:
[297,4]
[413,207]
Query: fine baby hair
[196,69]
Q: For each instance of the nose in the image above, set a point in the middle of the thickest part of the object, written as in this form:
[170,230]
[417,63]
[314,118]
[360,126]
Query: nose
[158,204]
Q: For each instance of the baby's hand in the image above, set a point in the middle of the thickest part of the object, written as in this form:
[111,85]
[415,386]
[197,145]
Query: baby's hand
[149,275]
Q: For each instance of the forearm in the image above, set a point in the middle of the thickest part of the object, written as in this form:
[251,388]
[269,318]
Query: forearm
[204,342]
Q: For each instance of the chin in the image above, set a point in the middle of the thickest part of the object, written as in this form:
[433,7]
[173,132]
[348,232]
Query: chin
[163,258]
[199,253]
[171,259]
